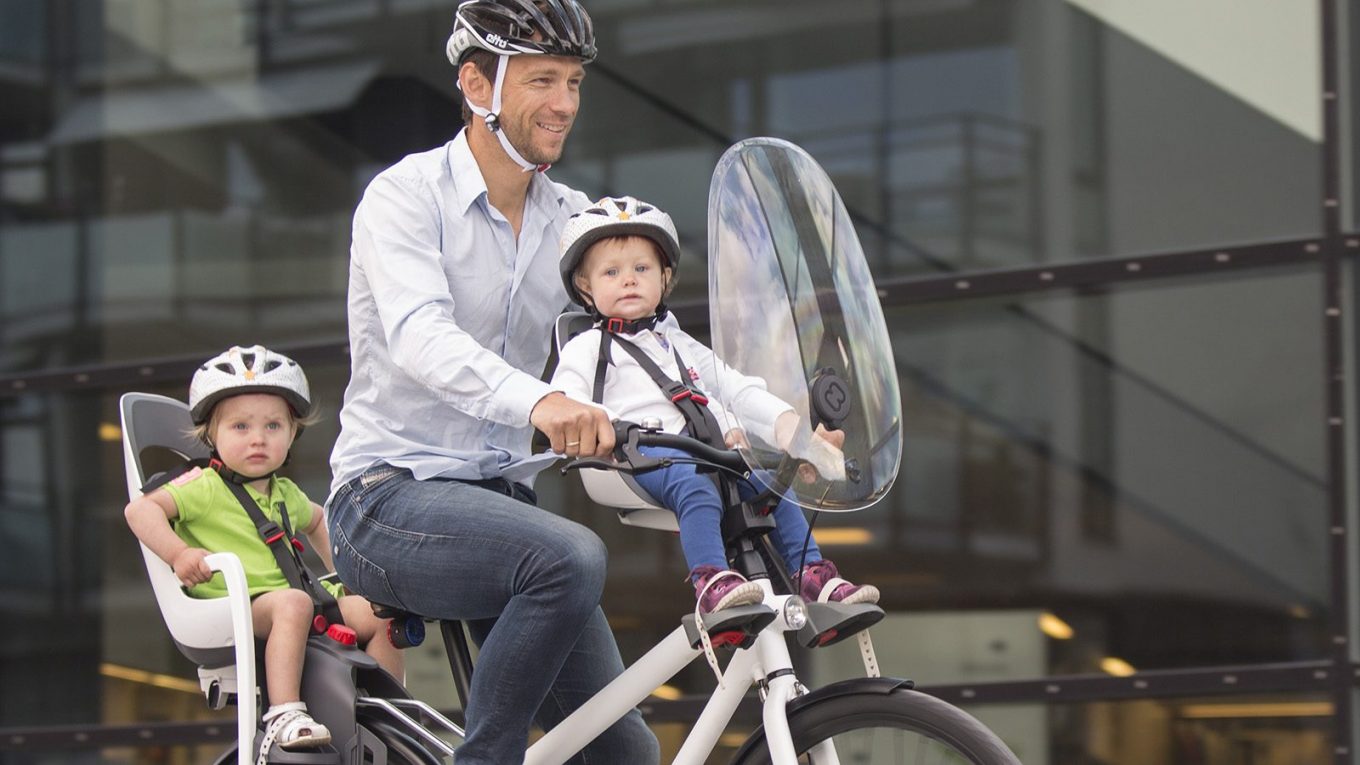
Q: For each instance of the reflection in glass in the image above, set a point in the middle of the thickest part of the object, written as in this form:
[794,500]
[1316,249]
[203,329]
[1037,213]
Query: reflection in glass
[1129,455]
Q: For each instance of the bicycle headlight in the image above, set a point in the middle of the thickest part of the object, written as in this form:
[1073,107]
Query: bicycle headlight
[795,612]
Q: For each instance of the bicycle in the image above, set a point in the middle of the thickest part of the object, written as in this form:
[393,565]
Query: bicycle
[848,721]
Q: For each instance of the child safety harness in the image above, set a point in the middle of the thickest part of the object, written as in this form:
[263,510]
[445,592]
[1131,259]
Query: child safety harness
[692,403]
[281,541]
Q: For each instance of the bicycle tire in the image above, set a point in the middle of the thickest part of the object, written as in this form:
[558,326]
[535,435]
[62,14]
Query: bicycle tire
[913,726]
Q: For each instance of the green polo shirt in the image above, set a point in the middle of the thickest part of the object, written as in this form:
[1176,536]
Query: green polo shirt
[212,518]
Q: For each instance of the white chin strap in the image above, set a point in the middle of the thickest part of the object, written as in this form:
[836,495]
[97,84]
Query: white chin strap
[492,118]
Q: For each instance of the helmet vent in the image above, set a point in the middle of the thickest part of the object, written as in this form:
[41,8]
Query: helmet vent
[272,364]
[225,367]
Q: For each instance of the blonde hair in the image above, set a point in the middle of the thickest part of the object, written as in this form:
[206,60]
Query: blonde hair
[204,432]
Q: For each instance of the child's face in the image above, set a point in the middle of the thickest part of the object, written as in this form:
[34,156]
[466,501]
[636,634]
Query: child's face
[253,433]
[624,277]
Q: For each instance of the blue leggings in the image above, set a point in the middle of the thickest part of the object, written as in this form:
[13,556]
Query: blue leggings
[695,501]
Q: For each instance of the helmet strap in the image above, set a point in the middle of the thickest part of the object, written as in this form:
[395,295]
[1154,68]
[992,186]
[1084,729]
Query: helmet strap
[492,118]
[617,326]
[215,462]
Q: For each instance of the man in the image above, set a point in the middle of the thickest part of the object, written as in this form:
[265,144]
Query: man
[453,290]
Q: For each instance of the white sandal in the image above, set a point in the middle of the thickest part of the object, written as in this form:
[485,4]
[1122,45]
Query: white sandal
[289,726]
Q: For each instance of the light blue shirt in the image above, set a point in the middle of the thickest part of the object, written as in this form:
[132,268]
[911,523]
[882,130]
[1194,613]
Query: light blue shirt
[450,320]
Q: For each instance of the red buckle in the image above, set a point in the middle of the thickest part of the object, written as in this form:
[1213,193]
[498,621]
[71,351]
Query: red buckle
[298,545]
[827,637]
[691,394]
[273,539]
[342,634]
[614,325]
[319,624]
[215,464]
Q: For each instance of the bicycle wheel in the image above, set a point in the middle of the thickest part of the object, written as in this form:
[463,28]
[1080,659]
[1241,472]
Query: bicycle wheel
[873,728]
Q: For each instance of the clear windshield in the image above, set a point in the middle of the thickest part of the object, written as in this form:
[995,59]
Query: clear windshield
[793,307]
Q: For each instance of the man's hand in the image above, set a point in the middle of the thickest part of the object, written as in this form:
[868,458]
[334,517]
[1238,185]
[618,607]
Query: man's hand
[191,568]
[573,428]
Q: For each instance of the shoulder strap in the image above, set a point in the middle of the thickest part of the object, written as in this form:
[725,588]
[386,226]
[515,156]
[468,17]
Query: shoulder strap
[166,476]
[689,400]
[602,362]
[287,552]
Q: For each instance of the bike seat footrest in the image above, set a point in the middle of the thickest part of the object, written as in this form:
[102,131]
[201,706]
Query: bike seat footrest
[746,621]
[830,623]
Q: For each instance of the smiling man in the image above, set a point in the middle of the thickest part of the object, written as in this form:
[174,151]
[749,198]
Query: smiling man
[452,294]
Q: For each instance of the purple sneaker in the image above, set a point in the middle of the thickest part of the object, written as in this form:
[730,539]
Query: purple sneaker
[822,583]
[728,589]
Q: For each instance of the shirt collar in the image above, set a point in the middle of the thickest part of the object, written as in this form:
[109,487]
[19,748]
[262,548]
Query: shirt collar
[469,185]
[270,491]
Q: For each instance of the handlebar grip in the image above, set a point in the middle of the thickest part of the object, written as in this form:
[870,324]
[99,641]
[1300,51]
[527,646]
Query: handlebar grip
[628,433]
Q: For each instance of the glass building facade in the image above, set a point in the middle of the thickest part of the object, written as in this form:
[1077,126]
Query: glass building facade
[1115,243]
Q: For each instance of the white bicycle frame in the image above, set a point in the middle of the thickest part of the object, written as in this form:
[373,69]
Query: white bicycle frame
[768,656]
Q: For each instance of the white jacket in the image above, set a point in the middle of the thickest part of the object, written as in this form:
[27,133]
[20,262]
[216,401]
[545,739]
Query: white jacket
[631,394]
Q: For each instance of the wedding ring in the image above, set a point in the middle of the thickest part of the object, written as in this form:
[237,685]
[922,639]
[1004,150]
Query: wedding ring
[573,443]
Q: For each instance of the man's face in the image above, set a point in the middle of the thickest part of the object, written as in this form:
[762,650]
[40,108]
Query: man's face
[539,98]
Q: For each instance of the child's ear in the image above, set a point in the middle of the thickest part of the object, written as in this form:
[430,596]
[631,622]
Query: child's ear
[667,283]
[583,287]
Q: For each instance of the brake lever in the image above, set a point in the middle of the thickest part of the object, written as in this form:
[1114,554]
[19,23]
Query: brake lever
[582,463]
[627,457]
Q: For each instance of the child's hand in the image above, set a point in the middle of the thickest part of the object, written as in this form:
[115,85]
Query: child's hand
[832,440]
[191,568]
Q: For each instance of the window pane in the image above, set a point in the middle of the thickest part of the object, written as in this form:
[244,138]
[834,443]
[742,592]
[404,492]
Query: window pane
[1144,457]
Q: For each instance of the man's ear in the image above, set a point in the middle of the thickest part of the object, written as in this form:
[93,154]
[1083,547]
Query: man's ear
[476,88]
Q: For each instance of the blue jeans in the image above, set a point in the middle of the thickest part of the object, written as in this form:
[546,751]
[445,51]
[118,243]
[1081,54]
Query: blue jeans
[528,584]
[694,500]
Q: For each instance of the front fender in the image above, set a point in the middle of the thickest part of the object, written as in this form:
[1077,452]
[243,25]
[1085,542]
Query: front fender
[870,685]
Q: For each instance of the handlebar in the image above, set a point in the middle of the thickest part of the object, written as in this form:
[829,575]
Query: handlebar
[628,436]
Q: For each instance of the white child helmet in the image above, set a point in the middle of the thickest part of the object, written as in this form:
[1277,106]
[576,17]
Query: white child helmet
[247,370]
[614,216]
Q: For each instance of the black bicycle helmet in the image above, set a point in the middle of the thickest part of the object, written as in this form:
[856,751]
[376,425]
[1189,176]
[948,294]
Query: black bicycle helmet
[512,27]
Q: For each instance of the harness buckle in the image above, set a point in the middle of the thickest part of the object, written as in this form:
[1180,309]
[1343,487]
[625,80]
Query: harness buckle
[614,325]
[271,533]
[688,393]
